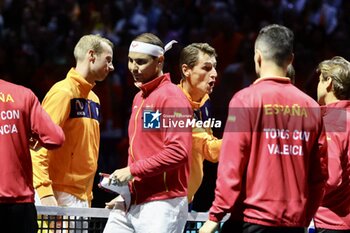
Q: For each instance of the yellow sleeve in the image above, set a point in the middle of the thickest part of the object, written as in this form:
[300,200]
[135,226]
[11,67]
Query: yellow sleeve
[206,144]
[57,105]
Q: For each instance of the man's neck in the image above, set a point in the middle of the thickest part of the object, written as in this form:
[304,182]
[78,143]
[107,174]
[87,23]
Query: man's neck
[270,69]
[330,98]
[195,95]
[83,70]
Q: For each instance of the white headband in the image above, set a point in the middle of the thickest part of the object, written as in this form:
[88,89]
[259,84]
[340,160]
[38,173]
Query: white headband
[150,49]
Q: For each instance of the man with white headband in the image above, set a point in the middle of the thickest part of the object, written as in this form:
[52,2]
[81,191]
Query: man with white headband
[146,48]
[159,154]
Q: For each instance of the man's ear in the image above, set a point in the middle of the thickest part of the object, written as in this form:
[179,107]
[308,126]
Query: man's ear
[329,83]
[160,59]
[91,55]
[257,57]
[291,58]
[186,71]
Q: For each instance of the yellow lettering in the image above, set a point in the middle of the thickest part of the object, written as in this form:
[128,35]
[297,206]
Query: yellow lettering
[286,110]
[303,112]
[295,110]
[268,109]
[9,98]
[6,98]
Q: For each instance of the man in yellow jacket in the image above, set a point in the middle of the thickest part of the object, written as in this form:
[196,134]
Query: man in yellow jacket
[198,71]
[64,177]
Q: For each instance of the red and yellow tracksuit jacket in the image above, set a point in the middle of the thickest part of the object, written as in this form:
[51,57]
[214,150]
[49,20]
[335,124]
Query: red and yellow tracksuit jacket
[21,117]
[334,212]
[160,150]
[273,160]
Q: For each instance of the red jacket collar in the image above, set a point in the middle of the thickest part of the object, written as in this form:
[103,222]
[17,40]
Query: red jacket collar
[276,79]
[150,86]
[341,104]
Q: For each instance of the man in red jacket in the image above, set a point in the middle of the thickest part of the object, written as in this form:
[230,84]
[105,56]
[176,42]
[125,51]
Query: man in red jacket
[160,148]
[21,118]
[333,93]
[272,164]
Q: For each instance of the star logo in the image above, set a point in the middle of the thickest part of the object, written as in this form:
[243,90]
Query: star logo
[151,119]
[156,116]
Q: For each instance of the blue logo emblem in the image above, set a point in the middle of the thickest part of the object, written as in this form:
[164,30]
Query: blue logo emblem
[151,119]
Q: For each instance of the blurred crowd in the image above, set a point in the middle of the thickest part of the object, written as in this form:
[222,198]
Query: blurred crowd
[37,39]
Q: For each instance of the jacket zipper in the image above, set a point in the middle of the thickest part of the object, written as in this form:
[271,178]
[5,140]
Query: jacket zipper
[132,142]
[164,179]
[89,108]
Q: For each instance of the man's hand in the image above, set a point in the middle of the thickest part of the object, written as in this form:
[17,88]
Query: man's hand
[110,204]
[34,144]
[209,227]
[121,176]
[49,201]
[116,203]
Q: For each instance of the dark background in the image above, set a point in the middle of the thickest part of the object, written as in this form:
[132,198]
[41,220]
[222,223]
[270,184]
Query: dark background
[37,38]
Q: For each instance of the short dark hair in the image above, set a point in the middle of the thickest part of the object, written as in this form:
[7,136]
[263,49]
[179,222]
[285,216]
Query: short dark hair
[338,69]
[275,43]
[190,54]
[150,39]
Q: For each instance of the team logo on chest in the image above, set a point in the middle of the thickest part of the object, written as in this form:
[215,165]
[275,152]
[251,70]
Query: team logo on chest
[84,108]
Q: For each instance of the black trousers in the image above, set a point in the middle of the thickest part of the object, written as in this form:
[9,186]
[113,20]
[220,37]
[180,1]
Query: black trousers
[18,218]
[321,230]
[244,227]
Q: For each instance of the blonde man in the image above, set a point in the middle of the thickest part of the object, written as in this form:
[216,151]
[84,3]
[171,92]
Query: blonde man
[64,177]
